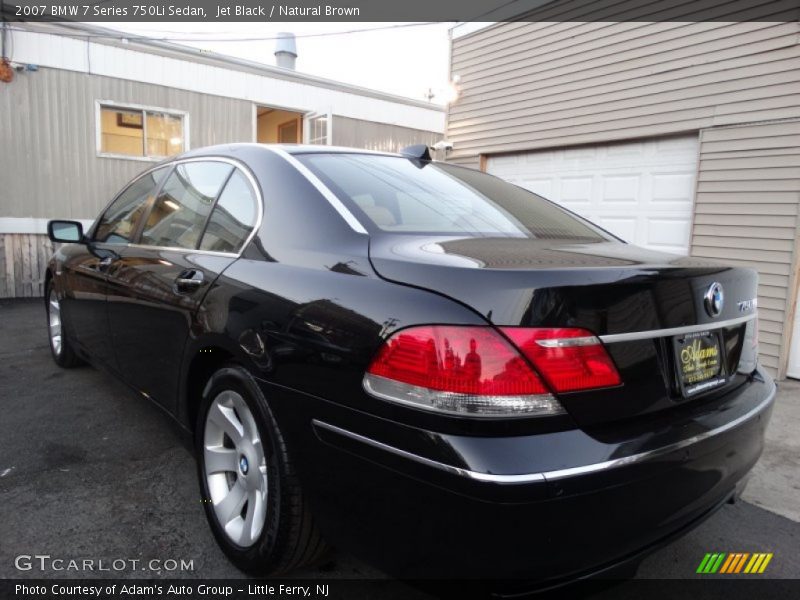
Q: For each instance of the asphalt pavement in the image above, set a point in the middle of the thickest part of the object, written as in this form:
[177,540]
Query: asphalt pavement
[90,471]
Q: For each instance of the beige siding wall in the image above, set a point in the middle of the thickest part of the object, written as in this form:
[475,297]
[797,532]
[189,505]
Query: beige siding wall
[536,85]
[356,133]
[746,212]
[528,86]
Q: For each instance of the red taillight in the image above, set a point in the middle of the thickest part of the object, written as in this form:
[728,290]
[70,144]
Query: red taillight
[460,370]
[568,359]
[464,360]
[467,369]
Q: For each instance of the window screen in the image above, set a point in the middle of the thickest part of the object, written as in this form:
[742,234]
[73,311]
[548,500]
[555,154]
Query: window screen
[233,217]
[181,209]
[118,223]
[399,195]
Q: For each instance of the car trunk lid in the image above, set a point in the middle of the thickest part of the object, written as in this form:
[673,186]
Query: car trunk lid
[647,307]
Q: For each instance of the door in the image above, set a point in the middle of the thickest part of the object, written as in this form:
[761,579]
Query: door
[641,191]
[194,230]
[86,270]
[318,129]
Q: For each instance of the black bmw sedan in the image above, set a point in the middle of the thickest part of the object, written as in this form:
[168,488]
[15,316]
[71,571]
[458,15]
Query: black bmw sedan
[443,373]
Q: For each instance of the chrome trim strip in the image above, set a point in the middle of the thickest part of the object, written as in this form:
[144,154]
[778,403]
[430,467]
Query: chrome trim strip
[185,250]
[337,204]
[656,333]
[559,473]
[655,453]
[588,340]
[171,164]
[253,183]
[535,477]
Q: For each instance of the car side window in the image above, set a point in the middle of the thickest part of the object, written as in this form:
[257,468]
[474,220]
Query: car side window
[233,218]
[184,203]
[118,223]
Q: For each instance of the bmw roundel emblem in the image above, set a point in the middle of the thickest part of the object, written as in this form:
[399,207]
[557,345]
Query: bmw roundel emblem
[714,299]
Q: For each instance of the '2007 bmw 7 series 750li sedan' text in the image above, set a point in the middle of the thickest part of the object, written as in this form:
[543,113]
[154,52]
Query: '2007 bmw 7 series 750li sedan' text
[441,372]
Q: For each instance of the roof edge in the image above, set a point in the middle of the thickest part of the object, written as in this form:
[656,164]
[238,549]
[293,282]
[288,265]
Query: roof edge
[174,50]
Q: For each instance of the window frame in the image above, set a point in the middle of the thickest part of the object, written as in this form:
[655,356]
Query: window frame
[147,204]
[308,133]
[99,105]
[214,207]
[148,211]
[170,166]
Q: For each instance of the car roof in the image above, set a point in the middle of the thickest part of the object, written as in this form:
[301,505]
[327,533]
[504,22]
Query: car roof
[294,149]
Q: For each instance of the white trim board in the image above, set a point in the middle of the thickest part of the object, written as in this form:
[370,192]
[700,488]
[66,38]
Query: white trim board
[466,27]
[32,225]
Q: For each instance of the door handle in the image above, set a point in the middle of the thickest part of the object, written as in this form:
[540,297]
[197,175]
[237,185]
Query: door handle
[189,280]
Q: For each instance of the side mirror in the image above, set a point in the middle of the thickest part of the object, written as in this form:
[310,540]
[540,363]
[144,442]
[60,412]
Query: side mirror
[67,232]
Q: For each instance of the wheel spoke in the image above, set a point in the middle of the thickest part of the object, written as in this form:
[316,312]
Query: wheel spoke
[249,428]
[220,459]
[54,323]
[258,450]
[254,518]
[231,505]
[224,418]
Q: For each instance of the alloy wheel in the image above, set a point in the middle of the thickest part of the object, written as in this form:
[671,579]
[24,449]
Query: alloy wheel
[235,468]
[54,322]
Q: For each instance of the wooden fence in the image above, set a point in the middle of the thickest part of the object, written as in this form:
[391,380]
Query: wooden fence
[23,260]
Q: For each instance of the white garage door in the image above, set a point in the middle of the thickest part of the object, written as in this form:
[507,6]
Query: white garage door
[793,368]
[641,191]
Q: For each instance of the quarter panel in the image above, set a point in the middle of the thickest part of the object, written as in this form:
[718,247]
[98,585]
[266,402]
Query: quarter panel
[315,330]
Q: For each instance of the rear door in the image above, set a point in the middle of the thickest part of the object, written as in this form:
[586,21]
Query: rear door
[195,228]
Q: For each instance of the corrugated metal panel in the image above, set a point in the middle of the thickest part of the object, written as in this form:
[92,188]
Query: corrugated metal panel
[190,70]
[356,133]
[47,131]
[538,85]
[758,227]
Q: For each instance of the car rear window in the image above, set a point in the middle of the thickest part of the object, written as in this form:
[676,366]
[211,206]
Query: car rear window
[400,195]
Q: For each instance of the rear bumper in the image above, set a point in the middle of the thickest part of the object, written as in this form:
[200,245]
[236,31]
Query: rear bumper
[549,507]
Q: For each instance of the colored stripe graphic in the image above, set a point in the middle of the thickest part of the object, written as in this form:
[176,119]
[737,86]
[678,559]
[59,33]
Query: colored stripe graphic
[703,563]
[749,567]
[711,563]
[734,562]
[741,562]
[764,564]
[716,565]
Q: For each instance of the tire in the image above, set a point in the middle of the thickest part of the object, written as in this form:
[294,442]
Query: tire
[60,345]
[251,495]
